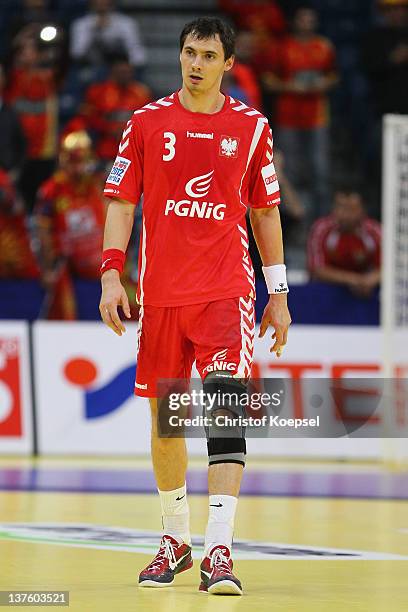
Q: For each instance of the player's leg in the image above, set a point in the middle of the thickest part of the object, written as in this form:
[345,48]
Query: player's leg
[225,341]
[165,356]
[169,458]
[224,481]
[169,455]
[226,453]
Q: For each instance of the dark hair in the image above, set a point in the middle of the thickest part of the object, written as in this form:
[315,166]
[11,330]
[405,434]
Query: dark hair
[114,57]
[208,27]
[349,189]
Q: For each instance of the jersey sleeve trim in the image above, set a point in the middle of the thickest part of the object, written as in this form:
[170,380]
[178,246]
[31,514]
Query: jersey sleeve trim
[259,128]
[266,192]
[125,179]
[247,110]
[157,105]
[116,194]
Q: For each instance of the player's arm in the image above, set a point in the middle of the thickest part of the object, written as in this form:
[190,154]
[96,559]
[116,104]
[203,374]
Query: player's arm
[118,227]
[267,230]
[124,187]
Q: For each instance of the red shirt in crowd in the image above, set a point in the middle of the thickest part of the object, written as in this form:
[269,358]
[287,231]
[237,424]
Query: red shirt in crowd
[199,172]
[304,62]
[107,108]
[250,15]
[16,256]
[77,214]
[265,55]
[33,95]
[359,251]
[246,80]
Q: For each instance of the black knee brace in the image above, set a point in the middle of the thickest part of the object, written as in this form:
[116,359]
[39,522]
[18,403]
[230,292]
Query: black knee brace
[223,408]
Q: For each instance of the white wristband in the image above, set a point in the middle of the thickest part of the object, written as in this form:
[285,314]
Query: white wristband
[275,278]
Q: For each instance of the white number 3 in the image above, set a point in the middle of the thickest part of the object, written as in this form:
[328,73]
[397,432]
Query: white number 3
[169,146]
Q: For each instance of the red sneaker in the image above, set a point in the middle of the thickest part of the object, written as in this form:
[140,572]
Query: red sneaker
[216,573]
[171,559]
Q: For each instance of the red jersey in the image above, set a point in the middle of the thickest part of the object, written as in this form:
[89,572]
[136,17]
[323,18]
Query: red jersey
[32,93]
[258,15]
[246,80]
[16,255]
[77,214]
[198,173]
[107,108]
[359,251]
[304,61]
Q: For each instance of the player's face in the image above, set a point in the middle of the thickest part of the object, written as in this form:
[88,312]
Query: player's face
[203,64]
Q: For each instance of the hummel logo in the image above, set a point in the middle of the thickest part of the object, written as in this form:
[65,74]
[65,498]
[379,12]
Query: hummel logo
[178,498]
[282,288]
[200,135]
[216,505]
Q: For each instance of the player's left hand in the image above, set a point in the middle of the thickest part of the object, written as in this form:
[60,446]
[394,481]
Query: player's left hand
[277,315]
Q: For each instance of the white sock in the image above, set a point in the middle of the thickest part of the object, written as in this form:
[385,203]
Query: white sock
[176,513]
[220,526]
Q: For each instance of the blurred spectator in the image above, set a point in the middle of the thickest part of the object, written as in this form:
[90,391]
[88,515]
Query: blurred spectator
[70,215]
[231,87]
[255,14]
[32,93]
[12,140]
[242,74]
[17,260]
[304,74]
[31,13]
[36,21]
[385,57]
[345,247]
[70,211]
[109,105]
[103,32]
[265,49]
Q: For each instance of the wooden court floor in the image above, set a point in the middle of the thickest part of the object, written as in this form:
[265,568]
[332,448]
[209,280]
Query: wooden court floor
[308,538]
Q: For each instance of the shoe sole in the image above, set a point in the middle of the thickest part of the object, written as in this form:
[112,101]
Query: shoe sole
[224,587]
[156,584]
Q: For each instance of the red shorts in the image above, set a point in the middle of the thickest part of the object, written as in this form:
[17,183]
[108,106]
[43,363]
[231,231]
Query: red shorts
[217,335]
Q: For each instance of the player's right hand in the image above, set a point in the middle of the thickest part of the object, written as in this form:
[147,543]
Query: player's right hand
[113,295]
